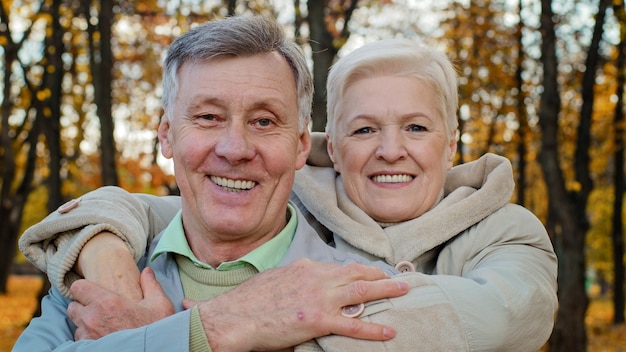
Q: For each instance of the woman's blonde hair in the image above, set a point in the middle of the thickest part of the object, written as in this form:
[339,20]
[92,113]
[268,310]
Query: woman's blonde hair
[396,57]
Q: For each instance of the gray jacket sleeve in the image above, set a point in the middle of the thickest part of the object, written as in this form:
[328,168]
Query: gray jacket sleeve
[54,331]
[494,289]
[53,244]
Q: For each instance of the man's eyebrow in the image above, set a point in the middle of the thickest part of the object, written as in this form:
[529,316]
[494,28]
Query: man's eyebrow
[270,104]
[202,100]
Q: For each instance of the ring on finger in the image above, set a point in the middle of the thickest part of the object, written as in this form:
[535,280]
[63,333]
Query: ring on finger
[353,310]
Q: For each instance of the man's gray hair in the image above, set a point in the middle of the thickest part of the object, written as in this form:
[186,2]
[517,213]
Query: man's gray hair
[233,37]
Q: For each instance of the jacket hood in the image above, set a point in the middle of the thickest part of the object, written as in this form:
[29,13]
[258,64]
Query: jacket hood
[471,192]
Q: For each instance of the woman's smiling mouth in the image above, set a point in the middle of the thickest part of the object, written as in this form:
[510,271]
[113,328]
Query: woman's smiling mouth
[400,178]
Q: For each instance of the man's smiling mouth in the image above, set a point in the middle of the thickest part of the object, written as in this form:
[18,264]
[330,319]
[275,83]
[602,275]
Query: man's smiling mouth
[233,185]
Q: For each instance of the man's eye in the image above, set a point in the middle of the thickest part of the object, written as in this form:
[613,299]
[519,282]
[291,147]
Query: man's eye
[417,128]
[264,122]
[208,117]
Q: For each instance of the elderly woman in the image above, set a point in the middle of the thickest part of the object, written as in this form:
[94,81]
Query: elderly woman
[381,184]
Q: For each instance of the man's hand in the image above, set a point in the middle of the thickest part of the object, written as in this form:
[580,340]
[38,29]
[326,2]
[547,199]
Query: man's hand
[106,260]
[98,311]
[286,306]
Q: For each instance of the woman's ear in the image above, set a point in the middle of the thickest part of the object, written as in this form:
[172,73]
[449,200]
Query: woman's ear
[452,148]
[329,148]
[331,151]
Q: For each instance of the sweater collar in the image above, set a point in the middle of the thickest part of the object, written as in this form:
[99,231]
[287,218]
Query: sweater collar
[264,257]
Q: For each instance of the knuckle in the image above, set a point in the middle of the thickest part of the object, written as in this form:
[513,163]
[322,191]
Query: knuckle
[354,267]
[355,327]
[71,310]
[358,289]
[75,288]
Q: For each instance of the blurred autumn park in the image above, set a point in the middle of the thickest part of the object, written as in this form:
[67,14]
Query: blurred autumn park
[541,82]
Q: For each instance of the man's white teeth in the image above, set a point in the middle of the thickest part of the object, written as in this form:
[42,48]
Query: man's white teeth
[392,178]
[233,185]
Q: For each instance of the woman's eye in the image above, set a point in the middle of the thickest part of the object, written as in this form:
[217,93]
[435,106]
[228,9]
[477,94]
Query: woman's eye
[363,130]
[417,128]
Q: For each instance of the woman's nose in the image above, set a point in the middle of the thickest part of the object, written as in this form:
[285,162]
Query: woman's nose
[391,147]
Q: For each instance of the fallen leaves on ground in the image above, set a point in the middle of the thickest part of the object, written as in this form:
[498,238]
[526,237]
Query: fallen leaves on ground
[602,335]
[16,309]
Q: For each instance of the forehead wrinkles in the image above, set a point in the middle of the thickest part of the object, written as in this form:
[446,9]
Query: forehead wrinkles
[230,86]
[384,106]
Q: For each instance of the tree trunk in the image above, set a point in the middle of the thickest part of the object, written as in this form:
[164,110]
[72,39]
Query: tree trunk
[232,6]
[52,129]
[13,190]
[53,81]
[102,65]
[521,115]
[7,166]
[8,236]
[323,53]
[617,234]
[568,209]
[569,331]
[13,199]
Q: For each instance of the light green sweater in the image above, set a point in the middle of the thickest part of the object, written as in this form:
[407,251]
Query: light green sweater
[201,284]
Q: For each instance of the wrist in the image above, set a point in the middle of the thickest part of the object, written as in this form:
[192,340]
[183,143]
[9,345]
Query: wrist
[225,330]
[102,248]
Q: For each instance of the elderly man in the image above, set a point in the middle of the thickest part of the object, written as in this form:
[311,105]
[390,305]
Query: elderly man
[237,98]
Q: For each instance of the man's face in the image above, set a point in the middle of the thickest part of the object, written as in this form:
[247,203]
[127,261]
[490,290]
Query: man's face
[391,147]
[235,142]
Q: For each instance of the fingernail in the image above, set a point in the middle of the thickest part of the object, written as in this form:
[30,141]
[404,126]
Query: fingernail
[402,286]
[388,332]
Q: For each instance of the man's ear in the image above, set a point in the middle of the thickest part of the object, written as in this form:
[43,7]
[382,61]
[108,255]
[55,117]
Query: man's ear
[304,148]
[164,137]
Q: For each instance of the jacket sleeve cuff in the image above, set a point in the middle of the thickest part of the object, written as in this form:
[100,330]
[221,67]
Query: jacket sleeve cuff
[53,244]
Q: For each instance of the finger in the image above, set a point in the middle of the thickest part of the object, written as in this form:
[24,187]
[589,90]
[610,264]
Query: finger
[189,303]
[85,291]
[355,272]
[365,291]
[83,334]
[155,298]
[152,290]
[80,334]
[73,311]
[359,329]
[149,284]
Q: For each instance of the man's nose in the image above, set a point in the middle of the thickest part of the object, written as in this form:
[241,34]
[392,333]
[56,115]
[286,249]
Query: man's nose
[235,144]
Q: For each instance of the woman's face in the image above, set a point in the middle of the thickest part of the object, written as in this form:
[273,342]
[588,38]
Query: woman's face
[391,147]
